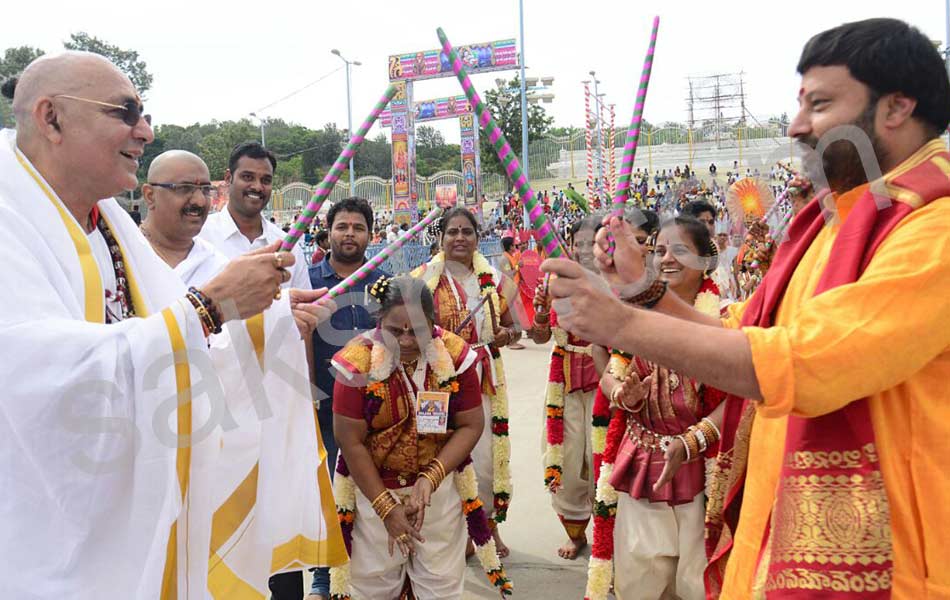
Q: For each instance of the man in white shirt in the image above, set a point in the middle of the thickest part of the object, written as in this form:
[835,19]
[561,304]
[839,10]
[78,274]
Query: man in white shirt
[178,195]
[240,227]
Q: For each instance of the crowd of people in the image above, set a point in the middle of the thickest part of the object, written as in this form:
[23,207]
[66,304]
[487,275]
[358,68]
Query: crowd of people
[741,407]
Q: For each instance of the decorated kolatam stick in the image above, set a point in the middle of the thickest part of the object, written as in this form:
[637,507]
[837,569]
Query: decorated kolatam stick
[320,196]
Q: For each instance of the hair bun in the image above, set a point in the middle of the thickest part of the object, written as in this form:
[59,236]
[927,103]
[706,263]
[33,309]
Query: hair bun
[380,288]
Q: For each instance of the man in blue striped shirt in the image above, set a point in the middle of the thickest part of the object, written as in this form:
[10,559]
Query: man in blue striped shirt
[350,223]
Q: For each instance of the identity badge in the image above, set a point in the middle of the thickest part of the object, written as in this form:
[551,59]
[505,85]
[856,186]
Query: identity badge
[432,412]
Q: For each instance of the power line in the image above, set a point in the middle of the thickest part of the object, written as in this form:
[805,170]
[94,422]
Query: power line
[296,152]
[295,92]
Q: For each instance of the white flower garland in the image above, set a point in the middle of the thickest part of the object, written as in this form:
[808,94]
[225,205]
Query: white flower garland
[501,444]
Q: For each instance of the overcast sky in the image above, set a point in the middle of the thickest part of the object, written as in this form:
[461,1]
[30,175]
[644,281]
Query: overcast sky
[215,60]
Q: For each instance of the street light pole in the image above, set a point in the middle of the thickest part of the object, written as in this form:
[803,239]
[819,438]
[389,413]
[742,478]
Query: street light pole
[261,121]
[349,110]
[524,96]
[946,43]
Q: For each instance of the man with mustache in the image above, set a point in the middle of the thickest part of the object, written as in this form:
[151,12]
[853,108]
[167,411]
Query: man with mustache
[178,195]
[830,479]
[240,226]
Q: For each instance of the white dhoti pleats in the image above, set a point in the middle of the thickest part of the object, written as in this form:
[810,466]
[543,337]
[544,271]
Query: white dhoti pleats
[659,550]
[437,569]
[573,500]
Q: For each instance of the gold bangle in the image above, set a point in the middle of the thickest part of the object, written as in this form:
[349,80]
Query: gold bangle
[442,471]
[386,511]
[692,444]
[432,479]
[711,429]
[379,499]
[383,503]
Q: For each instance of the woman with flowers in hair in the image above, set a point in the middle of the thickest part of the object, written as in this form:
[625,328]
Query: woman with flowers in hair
[407,413]
[569,397]
[650,512]
[470,301]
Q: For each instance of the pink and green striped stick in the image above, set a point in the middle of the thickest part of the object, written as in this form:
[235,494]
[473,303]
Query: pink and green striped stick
[633,133]
[361,273]
[326,186]
[543,231]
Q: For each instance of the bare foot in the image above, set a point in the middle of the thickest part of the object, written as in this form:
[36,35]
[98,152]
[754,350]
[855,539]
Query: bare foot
[572,548]
[500,546]
[469,549]
[516,346]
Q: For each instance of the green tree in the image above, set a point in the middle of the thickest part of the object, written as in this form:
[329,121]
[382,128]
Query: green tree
[11,65]
[126,60]
[375,157]
[505,106]
[16,59]
[429,137]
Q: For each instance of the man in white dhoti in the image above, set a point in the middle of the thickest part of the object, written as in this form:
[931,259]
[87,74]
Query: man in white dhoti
[248,528]
[104,436]
[238,228]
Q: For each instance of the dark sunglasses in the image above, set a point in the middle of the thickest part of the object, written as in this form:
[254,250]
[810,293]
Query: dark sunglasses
[131,110]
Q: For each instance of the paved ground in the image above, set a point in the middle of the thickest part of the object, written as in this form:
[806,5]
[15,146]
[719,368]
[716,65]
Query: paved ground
[532,531]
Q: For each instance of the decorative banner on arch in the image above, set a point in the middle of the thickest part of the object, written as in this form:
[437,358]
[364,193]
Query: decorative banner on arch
[403,153]
[485,57]
[471,169]
[433,110]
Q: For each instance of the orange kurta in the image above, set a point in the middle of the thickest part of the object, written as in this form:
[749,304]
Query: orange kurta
[885,337]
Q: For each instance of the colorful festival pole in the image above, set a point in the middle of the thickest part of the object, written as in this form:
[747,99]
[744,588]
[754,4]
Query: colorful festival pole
[633,134]
[612,167]
[588,140]
[361,273]
[543,231]
[326,186]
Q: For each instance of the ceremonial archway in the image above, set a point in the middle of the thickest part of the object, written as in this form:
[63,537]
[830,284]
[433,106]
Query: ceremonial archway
[403,113]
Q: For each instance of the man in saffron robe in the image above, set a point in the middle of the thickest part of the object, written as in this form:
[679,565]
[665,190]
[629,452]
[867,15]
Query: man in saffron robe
[841,355]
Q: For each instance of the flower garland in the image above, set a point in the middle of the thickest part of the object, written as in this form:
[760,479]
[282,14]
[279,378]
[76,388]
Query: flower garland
[344,487]
[554,397]
[600,570]
[554,420]
[501,444]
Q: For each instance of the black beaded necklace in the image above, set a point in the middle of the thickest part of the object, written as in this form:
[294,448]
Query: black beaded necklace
[122,293]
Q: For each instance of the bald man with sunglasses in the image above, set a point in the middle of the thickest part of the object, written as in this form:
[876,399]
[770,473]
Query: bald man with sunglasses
[107,413]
